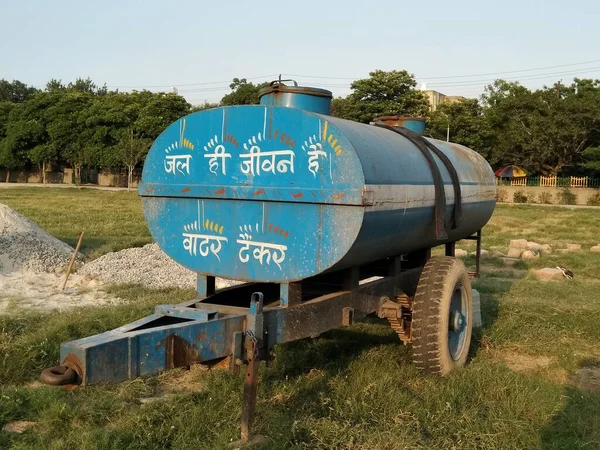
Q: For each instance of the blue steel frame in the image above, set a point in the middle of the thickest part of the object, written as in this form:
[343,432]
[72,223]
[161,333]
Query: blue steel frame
[213,327]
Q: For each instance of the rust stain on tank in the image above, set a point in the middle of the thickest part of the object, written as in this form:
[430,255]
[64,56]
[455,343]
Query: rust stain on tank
[150,190]
[337,196]
[298,195]
[220,191]
[199,337]
[259,192]
[187,189]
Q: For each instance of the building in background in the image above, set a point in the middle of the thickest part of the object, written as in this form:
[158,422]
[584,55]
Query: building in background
[436,98]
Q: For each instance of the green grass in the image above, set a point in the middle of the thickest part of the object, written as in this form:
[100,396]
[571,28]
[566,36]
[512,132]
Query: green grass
[111,220]
[352,388]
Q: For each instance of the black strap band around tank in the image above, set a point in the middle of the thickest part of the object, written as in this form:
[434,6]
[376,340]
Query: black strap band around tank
[426,148]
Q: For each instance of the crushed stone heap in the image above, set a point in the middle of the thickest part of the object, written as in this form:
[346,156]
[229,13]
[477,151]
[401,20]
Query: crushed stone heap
[147,265]
[25,246]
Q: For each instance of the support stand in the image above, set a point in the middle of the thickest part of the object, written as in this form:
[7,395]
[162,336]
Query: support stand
[254,338]
[477,238]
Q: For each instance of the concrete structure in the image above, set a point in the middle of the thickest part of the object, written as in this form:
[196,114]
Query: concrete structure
[436,98]
[506,194]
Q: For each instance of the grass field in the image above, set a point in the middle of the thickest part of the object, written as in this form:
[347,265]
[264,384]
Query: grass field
[533,380]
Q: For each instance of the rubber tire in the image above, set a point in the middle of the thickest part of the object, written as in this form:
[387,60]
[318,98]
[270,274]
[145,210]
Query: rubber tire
[431,310]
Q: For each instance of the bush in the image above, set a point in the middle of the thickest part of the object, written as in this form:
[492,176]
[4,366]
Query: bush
[546,197]
[594,200]
[520,197]
[566,197]
[501,195]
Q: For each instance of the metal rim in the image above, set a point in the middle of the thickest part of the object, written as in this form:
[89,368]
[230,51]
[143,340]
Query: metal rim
[282,88]
[458,320]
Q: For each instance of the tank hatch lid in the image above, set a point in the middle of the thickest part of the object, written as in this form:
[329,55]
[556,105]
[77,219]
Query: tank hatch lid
[261,153]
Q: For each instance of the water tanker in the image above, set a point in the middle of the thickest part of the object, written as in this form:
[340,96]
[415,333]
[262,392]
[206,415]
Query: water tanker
[328,220]
[276,193]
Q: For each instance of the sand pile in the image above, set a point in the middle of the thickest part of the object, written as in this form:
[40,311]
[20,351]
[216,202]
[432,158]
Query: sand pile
[25,246]
[147,265]
[41,291]
[31,262]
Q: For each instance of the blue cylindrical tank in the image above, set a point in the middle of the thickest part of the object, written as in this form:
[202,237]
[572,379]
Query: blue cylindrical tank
[307,98]
[271,193]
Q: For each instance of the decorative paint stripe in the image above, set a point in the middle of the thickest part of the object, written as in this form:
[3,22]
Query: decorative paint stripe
[375,197]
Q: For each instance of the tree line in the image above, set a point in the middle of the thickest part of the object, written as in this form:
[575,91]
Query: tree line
[550,130]
[80,125]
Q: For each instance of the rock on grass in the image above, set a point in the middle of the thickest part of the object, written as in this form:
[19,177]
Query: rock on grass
[514,252]
[549,273]
[519,243]
[529,255]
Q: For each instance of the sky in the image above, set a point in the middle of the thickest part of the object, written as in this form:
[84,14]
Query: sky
[199,46]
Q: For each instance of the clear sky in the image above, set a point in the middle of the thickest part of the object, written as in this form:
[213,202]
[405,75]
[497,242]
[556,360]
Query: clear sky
[203,44]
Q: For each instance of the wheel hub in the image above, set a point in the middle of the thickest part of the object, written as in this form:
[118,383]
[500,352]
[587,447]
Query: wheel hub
[456,320]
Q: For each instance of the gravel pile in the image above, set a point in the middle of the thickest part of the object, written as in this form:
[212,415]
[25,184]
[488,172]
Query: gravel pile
[147,265]
[25,246]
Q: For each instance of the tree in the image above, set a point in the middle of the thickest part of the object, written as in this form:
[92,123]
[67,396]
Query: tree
[132,150]
[105,120]
[383,94]
[82,125]
[544,130]
[5,108]
[592,158]
[26,128]
[203,107]
[67,130]
[243,93]
[15,92]
[340,107]
[466,122]
[55,85]
[87,86]
[157,111]
[42,155]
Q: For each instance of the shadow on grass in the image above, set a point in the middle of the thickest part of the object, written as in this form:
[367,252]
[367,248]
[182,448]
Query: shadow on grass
[490,291]
[89,243]
[334,350]
[95,246]
[577,424]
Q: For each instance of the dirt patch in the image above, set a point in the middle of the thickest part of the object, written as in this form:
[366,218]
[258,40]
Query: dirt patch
[525,363]
[18,426]
[184,381]
[586,378]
